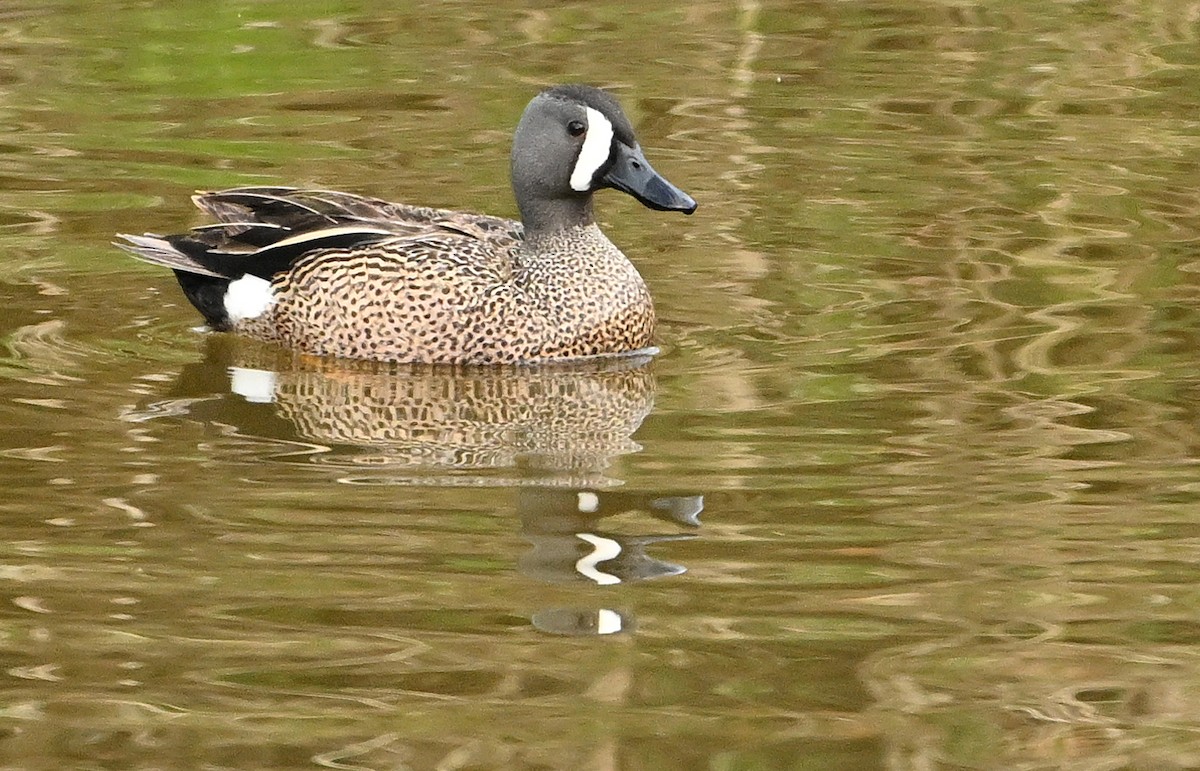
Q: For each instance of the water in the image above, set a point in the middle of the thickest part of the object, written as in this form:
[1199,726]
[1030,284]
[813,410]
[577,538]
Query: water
[913,483]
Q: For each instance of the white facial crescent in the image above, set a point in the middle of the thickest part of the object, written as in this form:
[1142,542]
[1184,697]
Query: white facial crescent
[594,153]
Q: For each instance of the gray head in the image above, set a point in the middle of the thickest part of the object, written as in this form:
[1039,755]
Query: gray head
[572,141]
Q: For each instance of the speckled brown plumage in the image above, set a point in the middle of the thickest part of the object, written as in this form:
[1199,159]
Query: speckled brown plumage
[364,278]
[452,297]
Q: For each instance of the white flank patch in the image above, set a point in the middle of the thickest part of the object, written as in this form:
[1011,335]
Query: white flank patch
[603,549]
[253,385]
[588,503]
[248,298]
[595,150]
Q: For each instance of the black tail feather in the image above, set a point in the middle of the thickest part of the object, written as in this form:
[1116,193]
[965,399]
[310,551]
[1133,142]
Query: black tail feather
[207,295]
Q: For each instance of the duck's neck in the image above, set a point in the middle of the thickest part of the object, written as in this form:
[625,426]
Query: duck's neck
[545,218]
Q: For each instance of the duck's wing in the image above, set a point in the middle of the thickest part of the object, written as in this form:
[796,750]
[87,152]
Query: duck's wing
[262,231]
[304,210]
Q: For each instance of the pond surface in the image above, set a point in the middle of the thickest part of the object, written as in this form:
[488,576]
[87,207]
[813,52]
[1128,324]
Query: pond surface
[914,482]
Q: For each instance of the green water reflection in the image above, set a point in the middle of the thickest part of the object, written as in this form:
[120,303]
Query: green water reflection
[912,485]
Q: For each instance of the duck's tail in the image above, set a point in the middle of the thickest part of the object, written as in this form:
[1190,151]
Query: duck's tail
[158,250]
[204,288]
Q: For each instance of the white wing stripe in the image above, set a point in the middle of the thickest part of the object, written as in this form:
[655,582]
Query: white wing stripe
[317,235]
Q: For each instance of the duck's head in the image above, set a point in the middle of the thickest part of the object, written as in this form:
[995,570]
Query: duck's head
[572,141]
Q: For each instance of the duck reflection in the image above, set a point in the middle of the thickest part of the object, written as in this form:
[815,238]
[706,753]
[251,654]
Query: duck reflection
[553,430]
[546,425]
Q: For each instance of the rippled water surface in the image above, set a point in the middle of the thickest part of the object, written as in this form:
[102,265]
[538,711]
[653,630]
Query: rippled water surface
[913,484]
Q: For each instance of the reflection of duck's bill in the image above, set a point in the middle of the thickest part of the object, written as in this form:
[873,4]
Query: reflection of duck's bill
[685,509]
[624,561]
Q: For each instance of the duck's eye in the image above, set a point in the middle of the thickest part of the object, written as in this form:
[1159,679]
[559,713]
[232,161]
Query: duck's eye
[576,127]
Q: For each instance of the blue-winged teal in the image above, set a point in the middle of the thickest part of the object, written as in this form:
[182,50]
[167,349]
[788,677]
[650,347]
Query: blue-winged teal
[338,274]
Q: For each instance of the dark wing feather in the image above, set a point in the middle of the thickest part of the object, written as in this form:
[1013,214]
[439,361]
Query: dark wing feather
[218,253]
[270,205]
[264,230]
[301,210]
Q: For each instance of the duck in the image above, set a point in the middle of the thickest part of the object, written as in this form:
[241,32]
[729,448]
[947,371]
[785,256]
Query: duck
[342,275]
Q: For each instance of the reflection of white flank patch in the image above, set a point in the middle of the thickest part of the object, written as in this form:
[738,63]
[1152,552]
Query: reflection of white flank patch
[603,550]
[588,503]
[608,621]
[594,153]
[248,298]
[253,385]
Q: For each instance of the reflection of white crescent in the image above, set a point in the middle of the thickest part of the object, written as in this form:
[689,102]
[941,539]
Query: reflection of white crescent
[603,549]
